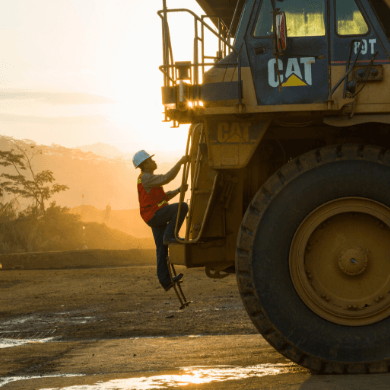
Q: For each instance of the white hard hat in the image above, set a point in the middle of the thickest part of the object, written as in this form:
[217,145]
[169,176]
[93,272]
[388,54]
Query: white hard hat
[140,157]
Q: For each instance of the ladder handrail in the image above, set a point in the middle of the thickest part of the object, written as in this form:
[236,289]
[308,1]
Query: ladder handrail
[201,21]
[166,42]
[186,168]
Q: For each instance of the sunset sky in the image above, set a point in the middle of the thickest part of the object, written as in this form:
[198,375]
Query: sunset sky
[77,72]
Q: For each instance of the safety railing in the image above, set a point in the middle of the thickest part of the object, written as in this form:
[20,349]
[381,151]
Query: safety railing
[170,69]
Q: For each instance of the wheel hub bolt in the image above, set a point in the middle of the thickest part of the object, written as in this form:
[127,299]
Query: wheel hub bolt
[353,260]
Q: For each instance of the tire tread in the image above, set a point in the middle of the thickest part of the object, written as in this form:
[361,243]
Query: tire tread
[245,241]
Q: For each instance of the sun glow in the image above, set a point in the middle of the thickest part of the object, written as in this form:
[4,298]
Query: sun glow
[104,57]
[137,89]
[193,376]
[134,82]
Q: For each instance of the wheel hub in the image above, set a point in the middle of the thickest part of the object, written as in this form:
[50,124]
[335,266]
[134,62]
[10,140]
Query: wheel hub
[353,261]
[339,261]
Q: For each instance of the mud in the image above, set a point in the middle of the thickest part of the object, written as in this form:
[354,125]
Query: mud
[124,302]
[115,328]
[68,305]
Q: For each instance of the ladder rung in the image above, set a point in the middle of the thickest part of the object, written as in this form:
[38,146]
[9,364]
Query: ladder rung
[196,192]
[177,286]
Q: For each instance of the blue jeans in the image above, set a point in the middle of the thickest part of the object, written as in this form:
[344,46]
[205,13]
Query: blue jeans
[163,226]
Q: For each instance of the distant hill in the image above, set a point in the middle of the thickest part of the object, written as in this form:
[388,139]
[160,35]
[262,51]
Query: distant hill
[100,236]
[92,179]
[127,221]
[101,149]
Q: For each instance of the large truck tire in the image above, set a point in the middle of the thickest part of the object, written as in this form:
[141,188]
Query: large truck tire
[313,260]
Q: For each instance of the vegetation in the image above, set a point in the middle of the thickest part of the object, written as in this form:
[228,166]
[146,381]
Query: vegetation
[37,186]
[55,230]
[38,227]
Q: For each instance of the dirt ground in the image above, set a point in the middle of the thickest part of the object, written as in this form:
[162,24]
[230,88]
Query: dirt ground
[120,302]
[113,303]
[110,325]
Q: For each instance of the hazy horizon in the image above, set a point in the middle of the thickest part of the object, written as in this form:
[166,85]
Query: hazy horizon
[78,73]
[84,75]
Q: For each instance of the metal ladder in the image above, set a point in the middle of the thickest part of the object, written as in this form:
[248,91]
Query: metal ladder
[176,285]
[194,190]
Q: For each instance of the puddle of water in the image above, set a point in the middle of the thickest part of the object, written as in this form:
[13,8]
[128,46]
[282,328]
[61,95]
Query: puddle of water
[18,321]
[190,376]
[7,343]
[30,323]
[6,381]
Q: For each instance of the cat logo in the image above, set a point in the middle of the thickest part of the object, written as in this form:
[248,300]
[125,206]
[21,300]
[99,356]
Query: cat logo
[233,132]
[292,77]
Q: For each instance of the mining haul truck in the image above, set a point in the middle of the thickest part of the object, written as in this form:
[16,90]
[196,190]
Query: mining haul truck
[289,147]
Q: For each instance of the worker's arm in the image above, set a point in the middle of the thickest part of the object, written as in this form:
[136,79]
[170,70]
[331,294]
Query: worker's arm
[149,180]
[172,194]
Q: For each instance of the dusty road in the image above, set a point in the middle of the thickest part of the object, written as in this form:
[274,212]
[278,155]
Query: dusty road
[115,328]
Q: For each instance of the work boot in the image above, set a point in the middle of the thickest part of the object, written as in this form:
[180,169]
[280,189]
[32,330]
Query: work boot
[176,279]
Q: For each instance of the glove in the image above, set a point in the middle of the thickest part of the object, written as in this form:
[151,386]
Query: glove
[185,188]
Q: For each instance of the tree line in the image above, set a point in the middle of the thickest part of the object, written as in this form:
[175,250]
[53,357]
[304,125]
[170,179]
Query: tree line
[43,225]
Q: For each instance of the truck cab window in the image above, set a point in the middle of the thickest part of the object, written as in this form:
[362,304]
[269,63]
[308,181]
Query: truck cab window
[350,20]
[304,19]
[264,25]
